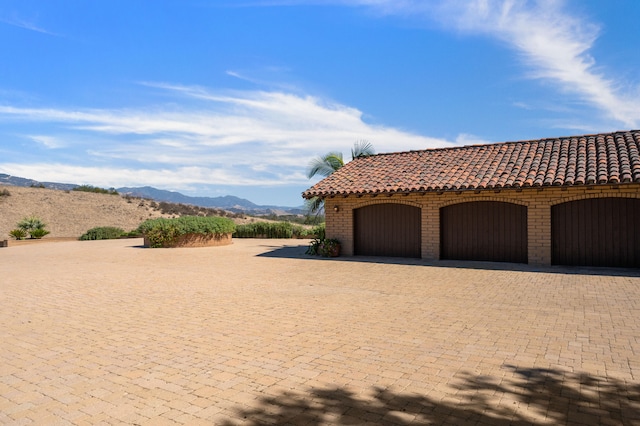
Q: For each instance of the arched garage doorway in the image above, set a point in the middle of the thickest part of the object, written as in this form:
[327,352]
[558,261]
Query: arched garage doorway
[388,229]
[484,230]
[596,232]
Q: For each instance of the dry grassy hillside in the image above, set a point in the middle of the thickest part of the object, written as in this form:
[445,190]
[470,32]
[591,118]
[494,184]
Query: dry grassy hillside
[71,214]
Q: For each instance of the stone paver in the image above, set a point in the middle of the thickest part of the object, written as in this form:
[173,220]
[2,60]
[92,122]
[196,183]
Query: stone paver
[256,333]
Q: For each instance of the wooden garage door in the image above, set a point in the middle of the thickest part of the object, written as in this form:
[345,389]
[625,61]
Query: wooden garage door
[484,230]
[387,230]
[596,232]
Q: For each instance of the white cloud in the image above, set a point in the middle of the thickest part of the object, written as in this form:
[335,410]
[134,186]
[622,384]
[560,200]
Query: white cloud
[232,138]
[112,176]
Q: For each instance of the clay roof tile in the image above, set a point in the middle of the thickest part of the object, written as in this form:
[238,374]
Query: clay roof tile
[577,160]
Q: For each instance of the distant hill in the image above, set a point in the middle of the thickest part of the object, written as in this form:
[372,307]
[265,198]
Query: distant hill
[18,181]
[228,202]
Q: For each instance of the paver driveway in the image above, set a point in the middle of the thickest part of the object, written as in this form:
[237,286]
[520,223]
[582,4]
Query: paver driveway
[257,333]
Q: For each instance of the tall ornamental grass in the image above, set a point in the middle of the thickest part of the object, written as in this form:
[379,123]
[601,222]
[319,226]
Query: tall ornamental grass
[272,230]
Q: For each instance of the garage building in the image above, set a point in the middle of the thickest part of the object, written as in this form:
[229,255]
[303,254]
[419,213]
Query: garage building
[568,201]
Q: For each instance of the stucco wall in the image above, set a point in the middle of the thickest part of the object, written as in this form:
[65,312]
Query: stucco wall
[537,200]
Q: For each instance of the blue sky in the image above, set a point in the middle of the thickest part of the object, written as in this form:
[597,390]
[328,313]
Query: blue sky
[235,97]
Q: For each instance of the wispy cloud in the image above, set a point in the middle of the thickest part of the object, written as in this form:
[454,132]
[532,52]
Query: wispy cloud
[231,138]
[47,141]
[467,139]
[554,43]
[179,178]
[27,25]
[239,76]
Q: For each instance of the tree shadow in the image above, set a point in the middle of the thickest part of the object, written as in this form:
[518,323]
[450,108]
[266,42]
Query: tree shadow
[554,397]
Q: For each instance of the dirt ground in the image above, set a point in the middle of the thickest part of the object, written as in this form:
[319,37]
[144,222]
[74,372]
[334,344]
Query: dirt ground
[256,333]
[69,214]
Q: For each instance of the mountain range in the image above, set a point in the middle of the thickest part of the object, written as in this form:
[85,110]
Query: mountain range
[228,202]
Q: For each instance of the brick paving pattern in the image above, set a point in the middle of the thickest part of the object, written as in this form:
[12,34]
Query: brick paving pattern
[257,333]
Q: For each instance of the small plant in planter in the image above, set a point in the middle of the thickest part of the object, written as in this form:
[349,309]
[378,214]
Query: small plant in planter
[314,247]
[329,247]
[319,232]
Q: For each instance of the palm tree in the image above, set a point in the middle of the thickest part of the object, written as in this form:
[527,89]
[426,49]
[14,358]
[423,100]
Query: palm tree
[34,226]
[329,163]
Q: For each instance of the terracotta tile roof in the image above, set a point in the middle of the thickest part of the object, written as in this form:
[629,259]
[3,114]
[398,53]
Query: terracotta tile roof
[608,158]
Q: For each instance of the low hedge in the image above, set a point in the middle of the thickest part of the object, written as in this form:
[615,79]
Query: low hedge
[319,231]
[162,231]
[103,233]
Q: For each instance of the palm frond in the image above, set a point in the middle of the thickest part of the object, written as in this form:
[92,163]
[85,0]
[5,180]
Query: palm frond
[362,148]
[314,206]
[325,165]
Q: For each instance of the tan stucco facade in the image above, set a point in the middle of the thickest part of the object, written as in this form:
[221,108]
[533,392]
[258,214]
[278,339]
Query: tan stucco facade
[537,200]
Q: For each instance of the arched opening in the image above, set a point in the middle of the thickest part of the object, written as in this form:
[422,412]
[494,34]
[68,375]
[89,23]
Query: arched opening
[388,229]
[484,230]
[596,232]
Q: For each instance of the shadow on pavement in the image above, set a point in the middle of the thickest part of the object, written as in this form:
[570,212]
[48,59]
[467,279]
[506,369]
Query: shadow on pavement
[287,252]
[298,252]
[555,397]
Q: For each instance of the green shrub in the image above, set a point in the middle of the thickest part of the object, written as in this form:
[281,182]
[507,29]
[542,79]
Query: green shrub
[302,232]
[89,188]
[273,230]
[162,231]
[293,218]
[179,209]
[18,234]
[102,233]
[31,222]
[132,234]
[264,230]
[319,231]
[38,233]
